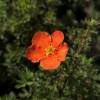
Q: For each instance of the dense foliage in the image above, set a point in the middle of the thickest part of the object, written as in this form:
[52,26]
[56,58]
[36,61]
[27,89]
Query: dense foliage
[78,78]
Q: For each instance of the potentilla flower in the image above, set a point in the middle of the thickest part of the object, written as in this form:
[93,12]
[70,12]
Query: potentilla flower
[47,49]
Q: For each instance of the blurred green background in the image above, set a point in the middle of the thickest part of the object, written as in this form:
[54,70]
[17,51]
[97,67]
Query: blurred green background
[78,78]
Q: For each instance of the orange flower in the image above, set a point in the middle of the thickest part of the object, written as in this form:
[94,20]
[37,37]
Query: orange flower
[49,50]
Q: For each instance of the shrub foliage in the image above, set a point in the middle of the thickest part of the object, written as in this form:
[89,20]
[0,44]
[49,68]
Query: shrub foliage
[78,78]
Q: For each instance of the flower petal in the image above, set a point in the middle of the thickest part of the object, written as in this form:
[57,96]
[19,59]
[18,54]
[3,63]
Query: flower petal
[57,38]
[34,54]
[61,51]
[49,63]
[41,39]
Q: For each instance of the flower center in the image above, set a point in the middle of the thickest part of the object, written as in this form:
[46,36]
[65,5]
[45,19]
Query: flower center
[49,50]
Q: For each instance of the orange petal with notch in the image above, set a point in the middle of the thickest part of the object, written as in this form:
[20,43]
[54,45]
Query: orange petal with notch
[62,51]
[34,54]
[49,63]
[57,38]
[41,39]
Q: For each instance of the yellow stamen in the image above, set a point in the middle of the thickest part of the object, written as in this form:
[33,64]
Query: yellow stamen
[49,50]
